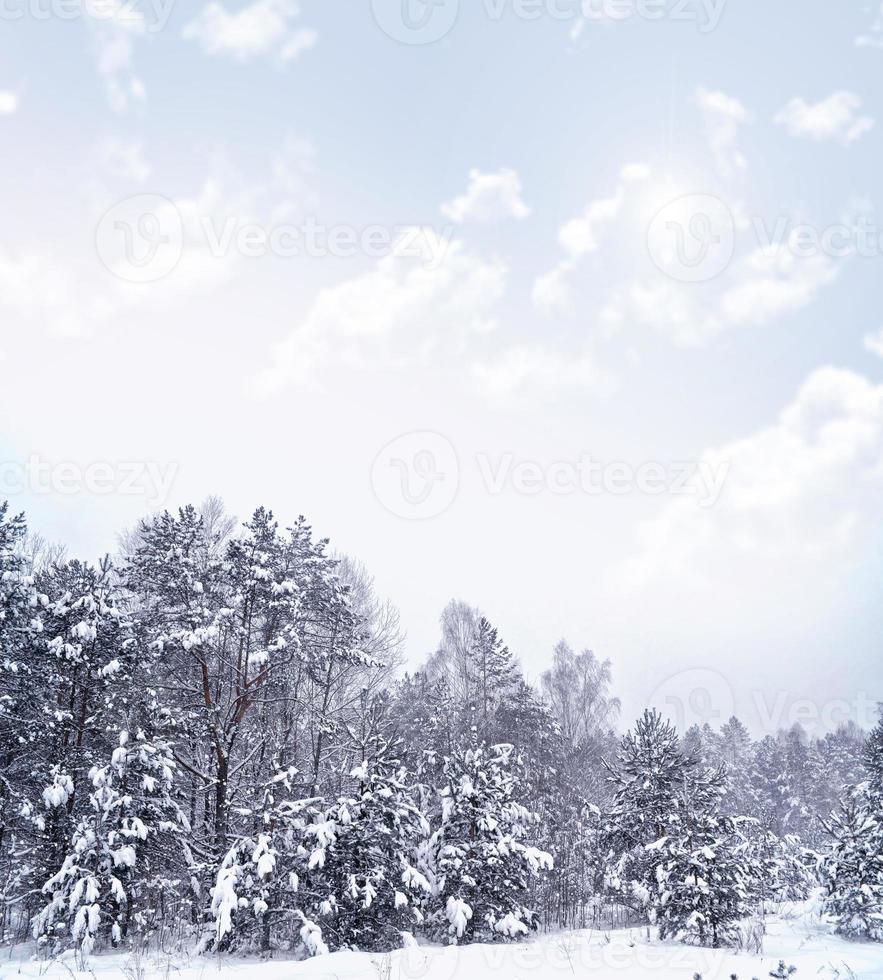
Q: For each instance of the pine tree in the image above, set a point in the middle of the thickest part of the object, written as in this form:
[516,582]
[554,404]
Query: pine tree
[342,872]
[778,871]
[21,725]
[736,754]
[83,649]
[852,869]
[492,675]
[702,881]
[872,757]
[369,840]
[648,781]
[114,875]
[668,850]
[480,860]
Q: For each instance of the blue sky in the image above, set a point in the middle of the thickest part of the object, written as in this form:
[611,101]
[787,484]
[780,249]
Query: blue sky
[530,320]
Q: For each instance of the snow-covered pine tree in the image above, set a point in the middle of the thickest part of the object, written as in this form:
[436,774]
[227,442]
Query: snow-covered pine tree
[736,753]
[669,851]
[257,639]
[124,851]
[260,892]
[333,876]
[492,673]
[702,880]
[851,870]
[481,857]
[648,803]
[872,758]
[20,686]
[841,753]
[363,864]
[778,871]
[82,650]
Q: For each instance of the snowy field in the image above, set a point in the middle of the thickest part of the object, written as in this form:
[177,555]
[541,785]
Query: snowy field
[800,940]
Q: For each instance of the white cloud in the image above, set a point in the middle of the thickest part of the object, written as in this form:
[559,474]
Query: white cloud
[263,28]
[489,197]
[114,43]
[425,299]
[833,118]
[723,117]
[874,342]
[874,37]
[581,236]
[41,290]
[801,496]
[758,289]
[541,368]
[551,292]
[70,293]
[8,103]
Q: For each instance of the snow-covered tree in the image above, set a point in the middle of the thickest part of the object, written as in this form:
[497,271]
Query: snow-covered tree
[777,865]
[736,752]
[342,871]
[482,856]
[852,868]
[649,779]
[255,637]
[77,670]
[20,686]
[363,862]
[122,850]
[872,758]
[703,880]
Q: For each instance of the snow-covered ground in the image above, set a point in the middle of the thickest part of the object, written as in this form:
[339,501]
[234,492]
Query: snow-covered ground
[798,939]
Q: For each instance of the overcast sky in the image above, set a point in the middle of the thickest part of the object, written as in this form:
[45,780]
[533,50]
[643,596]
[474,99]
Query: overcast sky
[573,315]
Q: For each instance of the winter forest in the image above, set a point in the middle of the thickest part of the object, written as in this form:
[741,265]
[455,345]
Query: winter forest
[209,741]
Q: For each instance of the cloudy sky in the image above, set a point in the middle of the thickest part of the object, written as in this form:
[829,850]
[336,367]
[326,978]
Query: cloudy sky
[571,311]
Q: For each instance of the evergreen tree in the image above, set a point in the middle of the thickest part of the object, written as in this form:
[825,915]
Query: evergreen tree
[852,869]
[113,878]
[648,780]
[668,851]
[778,872]
[480,860]
[872,758]
[492,676]
[702,880]
[338,875]
[736,754]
